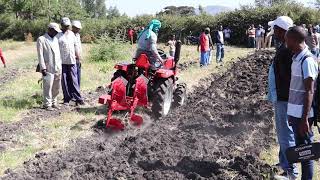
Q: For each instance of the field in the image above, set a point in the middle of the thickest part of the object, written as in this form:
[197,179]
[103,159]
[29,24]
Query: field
[225,131]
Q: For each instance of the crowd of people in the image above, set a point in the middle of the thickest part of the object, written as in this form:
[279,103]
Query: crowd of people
[292,81]
[59,55]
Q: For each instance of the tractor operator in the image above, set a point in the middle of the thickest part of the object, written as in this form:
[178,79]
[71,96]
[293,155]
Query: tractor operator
[147,43]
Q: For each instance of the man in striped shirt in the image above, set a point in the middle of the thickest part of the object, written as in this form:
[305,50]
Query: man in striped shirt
[304,72]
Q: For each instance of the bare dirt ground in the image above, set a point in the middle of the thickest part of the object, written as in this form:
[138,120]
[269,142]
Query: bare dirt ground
[219,134]
[17,65]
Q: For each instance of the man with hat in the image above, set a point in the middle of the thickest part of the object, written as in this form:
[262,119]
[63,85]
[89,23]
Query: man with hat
[147,43]
[76,27]
[69,54]
[50,66]
[279,84]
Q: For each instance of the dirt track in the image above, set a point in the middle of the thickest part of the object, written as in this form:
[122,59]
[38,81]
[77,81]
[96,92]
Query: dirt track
[217,135]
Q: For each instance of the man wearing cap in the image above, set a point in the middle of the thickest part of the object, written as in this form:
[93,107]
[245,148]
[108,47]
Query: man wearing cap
[69,54]
[50,66]
[76,27]
[279,83]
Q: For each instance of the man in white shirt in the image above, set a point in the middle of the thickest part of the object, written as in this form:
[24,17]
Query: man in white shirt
[69,54]
[76,27]
[50,66]
[304,73]
[260,37]
[219,40]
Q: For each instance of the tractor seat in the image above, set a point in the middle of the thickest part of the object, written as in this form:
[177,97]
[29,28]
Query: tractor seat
[143,62]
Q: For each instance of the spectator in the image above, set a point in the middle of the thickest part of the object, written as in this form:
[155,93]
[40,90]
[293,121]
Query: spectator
[204,47]
[269,35]
[260,37]
[227,35]
[318,38]
[130,35]
[219,40]
[279,83]
[76,28]
[251,32]
[2,59]
[69,54]
[172,45]
[50,66]
[312,41]
[211,47]
[304,73]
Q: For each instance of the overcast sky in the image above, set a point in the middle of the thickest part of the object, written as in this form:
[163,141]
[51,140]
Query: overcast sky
[138,7]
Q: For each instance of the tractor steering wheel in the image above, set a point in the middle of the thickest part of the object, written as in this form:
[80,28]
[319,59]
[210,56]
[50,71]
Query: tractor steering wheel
[162,54]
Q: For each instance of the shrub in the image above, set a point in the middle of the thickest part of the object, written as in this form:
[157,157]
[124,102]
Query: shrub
[107,50]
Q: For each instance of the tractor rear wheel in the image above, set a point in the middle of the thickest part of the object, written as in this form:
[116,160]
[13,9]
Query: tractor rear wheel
[180,95]
[163,97]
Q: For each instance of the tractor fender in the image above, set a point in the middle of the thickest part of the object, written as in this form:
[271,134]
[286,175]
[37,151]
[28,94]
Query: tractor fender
[165,73]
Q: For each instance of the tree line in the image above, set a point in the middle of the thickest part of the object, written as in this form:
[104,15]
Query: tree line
[32,16]
[55,9]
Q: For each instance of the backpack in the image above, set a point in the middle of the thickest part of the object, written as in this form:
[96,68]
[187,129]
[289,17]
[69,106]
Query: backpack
[316,96]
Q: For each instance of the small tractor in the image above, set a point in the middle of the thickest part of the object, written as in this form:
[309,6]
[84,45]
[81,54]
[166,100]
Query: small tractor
[138,85]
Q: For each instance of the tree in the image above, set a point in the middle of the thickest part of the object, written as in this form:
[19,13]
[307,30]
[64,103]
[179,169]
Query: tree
[201,10]
[178,10]
[101,9]
[317,4]
[113,12]
[264,3]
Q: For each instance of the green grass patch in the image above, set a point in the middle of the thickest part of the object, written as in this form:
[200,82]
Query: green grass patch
[19,95]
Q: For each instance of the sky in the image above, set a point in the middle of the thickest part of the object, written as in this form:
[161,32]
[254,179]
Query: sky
[138,7]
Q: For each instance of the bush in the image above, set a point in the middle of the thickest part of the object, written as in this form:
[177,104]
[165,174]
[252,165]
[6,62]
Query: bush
[107,50]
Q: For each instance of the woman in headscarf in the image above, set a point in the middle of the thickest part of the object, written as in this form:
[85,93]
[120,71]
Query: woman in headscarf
[147,42]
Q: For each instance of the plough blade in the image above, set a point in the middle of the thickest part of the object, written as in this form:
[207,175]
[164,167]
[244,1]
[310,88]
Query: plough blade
[116,124]
[117,102]
[140,98]
[136,119]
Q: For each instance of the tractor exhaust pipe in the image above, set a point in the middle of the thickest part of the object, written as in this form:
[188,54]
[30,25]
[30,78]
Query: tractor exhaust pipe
[178,51]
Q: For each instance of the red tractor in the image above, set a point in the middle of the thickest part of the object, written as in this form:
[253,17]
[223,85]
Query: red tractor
[138,84]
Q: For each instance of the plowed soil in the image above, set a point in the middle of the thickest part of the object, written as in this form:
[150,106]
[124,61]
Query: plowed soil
[217,135]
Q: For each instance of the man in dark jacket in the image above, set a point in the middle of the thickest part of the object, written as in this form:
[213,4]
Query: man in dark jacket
[219,40]
[279,84]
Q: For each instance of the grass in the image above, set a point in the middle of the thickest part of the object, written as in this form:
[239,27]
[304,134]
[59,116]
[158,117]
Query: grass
[10,44]
[46,136]
[19,95]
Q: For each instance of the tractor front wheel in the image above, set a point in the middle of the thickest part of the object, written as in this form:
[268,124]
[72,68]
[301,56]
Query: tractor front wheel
[163,97]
